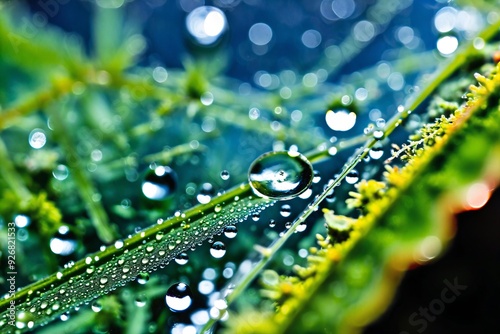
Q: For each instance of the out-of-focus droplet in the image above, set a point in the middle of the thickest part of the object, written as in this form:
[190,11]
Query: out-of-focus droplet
[341,120]
[206,25]
[37,138]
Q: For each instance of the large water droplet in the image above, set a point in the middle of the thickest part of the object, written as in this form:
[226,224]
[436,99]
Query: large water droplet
[280,175]
[218,249]
[64,242]
[96,306]
[230,231]
[206,193]
[159,183]
[352,177]
[342,120]
[182,259]
[178,297]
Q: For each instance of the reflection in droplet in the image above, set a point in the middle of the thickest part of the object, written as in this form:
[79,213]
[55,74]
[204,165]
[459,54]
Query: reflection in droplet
[178,297]
[218,249]
[159,183]
[206,24]
[280,175]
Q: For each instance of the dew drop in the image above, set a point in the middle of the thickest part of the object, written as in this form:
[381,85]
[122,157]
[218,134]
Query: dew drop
[103,280]
[341,120]
[140,300]
[206,193]
[255,217]
[142,278]
[230,231]
[272,223]
[316,177]
[64,242]
[376,152]
[182,259]
[218,249]
[286,210]
[37,138]
[96,306]
[60,173]
[159,183]
[206,25]
[288,225]
[301,228]
[178,297]
[224,175]
[352,177]
[280,175]
[378,134]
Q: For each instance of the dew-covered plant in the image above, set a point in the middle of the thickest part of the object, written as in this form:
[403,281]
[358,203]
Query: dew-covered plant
[137,198]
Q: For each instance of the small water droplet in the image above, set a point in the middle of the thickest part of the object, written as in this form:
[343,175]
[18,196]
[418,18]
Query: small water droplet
[255,217]
[96,306]
[230,231]
[316,177]
[182,259]
[286,210]
[352,177]
[272,223]
[60,173]
[206,193]
[142,278]
[301,227]
[288,225]
[224,175]
[159,183]
[218,249]
[280,175]
[206,25]
[103,280]
[64,242]
[140,300]
[37,138]
[378,134]
[178,297]
[341,120]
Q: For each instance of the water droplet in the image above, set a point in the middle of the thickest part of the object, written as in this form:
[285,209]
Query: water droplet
[61,172]
[280,175]
[286,210]
[64,242]
[159,183]
[22,221]
[224,175]
[206,25]
[255,217]
[352,177]
[103,280]
[118,244]
[288,225]
[37,138]
[341,120]
[316,177]
[378,134]
[206,193]
[96,306]
[301,227]
[178,297]
[142,278]
[306,194]
[218,249]
[64,316]
[140,300]
[182,259]
[230,231]
[376,152]
[272,223]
